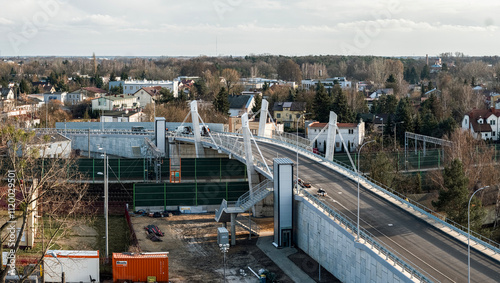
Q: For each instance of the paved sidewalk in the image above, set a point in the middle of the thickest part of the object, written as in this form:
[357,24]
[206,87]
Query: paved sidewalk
[280,257]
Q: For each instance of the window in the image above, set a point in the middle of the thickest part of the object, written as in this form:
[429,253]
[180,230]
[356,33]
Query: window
[278,115]
[298,116]
[337,144]
[493,134]
[351,131]
[492,122]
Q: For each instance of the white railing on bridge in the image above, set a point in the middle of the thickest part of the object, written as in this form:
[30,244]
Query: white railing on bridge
[92,131]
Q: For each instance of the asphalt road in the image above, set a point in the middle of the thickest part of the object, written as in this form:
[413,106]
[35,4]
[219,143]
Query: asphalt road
[419,244]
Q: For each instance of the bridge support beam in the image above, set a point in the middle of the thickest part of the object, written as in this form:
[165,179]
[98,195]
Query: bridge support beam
[263,118]
[233,229]
[196,130]
[330,140]
[253,177]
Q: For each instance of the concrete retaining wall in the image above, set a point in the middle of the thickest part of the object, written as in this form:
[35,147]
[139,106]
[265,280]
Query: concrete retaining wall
[349,261]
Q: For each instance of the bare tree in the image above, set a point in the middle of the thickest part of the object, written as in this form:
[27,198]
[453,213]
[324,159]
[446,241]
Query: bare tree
[231,78]
[38,187]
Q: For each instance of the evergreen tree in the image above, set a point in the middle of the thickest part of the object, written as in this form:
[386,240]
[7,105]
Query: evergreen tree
[342,108]
[403,118]
[200,88]
[221,101]
[321,104]
[425,73]
[291,95]
[257,104]
[413,75]
[454,197]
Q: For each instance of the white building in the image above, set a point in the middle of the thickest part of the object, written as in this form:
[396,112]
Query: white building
[327,83]
[60,96]
[6,93]
[483,123]
[352,133]
[123,116]
[146,95]
[51,145]
[112,102]
[132,86]
[258,83]
[82,94]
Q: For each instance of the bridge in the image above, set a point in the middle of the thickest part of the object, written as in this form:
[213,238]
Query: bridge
[425,246]
[430,247]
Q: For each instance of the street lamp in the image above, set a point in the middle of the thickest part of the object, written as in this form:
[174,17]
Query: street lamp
[106,176]
[297,128]
[63,279]
[224,249]
[359,152]
[468,232]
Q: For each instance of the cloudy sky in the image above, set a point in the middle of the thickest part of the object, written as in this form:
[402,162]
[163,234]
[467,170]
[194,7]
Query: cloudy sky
[237,27]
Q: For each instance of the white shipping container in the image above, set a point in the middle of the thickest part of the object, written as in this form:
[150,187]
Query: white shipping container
[78,266]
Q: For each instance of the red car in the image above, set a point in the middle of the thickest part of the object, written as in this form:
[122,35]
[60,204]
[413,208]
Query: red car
[304,184]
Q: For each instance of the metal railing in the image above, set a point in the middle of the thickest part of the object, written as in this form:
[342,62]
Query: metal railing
[259,192]
[222,206]
[92,131]
[494,246]
[389,253]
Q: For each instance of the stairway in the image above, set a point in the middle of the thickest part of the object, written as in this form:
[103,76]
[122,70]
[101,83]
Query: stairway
[244,202]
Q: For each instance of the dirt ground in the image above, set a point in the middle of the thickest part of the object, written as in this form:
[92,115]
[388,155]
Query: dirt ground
[194,256]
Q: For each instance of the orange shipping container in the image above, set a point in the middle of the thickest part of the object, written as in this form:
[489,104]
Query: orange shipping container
[137,267]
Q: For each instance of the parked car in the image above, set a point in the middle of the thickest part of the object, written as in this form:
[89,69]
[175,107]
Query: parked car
[185,130]
[138,129]
[304,184]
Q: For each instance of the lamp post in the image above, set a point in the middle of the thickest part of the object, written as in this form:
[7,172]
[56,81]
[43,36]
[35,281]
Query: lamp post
[63,279]
[395,132]
[468,232]
[297,128]
[224,249]
[359,152]
[106,176]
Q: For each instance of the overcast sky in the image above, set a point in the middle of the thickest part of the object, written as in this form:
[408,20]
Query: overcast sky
[237,27]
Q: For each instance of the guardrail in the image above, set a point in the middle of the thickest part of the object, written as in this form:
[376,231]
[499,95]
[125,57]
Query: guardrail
[494,246]
[92,131]
[393,255]
[366,235]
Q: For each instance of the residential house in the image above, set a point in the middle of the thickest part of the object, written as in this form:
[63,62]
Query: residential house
[240,104]
[7,93]
[123,116]
[147,95]
[376,95]
[84,93]
[352,133]
[235,124]
[60,96]
[132,86]
[113,102]
[50,145]
[288,113]
[258,83]
[483,123]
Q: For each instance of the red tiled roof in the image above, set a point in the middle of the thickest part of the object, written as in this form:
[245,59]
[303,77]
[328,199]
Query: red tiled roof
[476,114]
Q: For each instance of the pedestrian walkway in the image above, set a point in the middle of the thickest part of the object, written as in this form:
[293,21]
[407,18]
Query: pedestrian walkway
[280,258]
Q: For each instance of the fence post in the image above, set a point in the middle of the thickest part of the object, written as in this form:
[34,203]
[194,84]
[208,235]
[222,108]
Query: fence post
[164,196]
[119,169]
[144,169]
[133,196]
[439,159]
[418,161]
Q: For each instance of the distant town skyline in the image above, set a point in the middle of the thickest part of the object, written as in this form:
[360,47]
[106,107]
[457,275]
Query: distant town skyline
[238,28]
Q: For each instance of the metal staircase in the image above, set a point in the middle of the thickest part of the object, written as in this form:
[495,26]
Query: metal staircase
[244,202]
